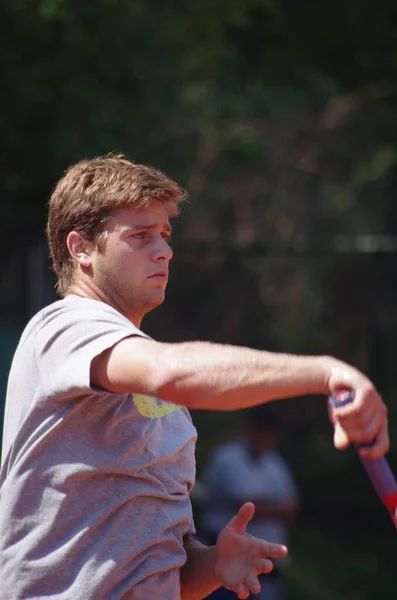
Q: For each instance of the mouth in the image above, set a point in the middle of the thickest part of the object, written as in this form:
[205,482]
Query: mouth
[159,275]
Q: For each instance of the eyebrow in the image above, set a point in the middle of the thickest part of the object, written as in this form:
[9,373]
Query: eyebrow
[147,227]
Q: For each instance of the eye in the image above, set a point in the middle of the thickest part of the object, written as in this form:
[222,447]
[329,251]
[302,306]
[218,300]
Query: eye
[141,235]
[167,237]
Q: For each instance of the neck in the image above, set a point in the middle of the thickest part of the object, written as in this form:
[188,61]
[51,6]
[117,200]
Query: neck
[84,290]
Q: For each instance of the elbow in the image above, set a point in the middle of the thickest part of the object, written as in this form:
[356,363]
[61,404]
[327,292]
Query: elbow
[174,376]
[164,378]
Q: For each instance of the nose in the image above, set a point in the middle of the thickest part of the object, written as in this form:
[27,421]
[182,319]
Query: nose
[162,251]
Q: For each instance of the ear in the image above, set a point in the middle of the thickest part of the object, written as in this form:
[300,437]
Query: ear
[80,249]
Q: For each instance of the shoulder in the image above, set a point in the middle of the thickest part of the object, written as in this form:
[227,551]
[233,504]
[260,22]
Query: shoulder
[76,304]
[36,321]
[82,312]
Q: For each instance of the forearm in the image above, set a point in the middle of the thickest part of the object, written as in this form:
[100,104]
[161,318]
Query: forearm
[198,577]
[203,375]
[210,376]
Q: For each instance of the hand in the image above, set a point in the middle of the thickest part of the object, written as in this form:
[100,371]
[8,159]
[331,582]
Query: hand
[241,557]
[364,419]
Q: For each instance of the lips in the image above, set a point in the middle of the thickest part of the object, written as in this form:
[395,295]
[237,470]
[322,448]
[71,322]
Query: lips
[159,274]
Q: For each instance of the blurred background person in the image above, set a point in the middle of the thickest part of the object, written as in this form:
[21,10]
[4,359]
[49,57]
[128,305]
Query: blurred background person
[250,468]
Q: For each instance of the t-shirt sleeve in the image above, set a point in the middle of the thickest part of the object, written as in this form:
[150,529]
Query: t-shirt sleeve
[70,336]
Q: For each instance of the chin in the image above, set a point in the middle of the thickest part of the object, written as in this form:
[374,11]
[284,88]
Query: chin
[153,302]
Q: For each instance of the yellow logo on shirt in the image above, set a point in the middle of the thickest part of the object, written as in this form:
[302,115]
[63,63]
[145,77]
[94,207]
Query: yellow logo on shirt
[153,408]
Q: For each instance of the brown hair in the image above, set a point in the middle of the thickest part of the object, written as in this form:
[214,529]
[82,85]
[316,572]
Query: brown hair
[89,190]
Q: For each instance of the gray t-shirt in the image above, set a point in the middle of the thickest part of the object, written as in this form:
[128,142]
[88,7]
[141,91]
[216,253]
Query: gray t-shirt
[94,486]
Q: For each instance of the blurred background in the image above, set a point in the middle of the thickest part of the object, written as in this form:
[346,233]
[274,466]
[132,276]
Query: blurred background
[279,118]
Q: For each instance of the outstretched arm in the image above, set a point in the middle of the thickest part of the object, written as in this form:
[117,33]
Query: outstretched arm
[202,375]
[235,562]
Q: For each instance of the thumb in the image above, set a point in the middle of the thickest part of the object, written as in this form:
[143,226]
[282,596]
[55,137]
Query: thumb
[341,441]
[240,521]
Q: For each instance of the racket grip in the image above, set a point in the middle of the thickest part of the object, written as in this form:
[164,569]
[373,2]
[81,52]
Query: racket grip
[378,470]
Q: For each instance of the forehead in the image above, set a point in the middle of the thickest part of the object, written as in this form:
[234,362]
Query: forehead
[129,216]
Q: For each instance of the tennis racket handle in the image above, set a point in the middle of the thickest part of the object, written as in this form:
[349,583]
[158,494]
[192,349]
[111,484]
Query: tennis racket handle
[378,470]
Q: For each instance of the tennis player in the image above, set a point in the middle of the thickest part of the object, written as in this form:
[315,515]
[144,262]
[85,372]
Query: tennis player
[98,446]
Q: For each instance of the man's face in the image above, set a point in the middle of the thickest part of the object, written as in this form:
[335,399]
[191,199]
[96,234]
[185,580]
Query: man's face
[131,264]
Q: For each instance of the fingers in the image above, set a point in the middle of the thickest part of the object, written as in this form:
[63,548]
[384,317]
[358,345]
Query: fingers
[258,564]
[369,429]
[251,585]
[243,517]
[380,447]
[273,550]
[364,420]
[243,592]
[359,412]
[264,565]
[364,430]
[341,439]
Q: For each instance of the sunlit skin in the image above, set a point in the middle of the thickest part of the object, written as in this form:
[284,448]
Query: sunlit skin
[129,268]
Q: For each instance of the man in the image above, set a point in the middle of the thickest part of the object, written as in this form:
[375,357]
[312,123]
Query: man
[250,467]
[98,450]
